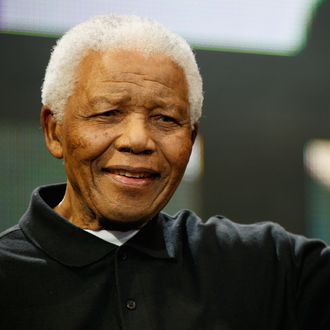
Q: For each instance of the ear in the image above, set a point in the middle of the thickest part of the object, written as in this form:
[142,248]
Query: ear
[52,132]
[194,132]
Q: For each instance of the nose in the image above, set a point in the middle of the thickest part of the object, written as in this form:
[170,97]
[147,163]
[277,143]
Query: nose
[135,137]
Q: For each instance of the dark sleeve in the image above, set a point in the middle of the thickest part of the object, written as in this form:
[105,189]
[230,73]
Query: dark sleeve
[311,260]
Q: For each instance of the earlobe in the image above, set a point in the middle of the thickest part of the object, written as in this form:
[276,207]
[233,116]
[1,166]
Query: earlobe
[51,129]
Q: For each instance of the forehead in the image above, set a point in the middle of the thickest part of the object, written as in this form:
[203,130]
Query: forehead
[131,66]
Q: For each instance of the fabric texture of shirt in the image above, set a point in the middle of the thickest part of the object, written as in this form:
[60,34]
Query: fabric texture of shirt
[176,273]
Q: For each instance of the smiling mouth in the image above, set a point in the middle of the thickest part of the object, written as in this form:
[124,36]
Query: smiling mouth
[134,173]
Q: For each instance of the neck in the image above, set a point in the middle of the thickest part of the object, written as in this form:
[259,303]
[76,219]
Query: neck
[72,209]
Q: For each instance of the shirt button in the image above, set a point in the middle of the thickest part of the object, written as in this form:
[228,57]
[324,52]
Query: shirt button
[123,255]
[131,304]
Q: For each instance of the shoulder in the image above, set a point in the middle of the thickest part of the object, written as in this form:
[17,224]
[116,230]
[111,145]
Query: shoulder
[11,238]
[261,238]
[224,229]
[15,248]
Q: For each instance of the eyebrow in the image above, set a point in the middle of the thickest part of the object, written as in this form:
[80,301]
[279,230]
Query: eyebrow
[113,99]
[162,103]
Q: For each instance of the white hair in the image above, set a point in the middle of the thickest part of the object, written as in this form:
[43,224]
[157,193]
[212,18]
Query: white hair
[103,33]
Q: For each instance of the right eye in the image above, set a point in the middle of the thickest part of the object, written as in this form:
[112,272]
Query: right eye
[109,116]
[110,113]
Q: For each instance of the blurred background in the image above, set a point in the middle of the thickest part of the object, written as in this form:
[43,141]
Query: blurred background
[264,148]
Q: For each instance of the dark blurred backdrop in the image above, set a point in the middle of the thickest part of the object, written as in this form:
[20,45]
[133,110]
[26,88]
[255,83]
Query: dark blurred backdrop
[259,113]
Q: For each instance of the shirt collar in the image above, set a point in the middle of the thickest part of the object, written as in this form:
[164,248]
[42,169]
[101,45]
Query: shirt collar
[71,245]
[154,238]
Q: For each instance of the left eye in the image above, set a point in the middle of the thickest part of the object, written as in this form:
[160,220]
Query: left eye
[166,119]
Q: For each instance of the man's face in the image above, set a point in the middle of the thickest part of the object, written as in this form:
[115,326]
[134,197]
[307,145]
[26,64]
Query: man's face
[125,139]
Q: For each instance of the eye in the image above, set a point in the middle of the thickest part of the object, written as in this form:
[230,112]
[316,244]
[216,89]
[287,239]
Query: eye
[161,118]
[110,113]
[108,116]
[166,119]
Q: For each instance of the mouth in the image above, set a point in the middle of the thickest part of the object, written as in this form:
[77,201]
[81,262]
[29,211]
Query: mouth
[132,175]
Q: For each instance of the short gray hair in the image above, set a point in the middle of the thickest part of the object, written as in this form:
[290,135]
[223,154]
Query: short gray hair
[112,32]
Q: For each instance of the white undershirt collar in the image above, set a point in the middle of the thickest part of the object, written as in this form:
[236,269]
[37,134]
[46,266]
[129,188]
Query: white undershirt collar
[115,237]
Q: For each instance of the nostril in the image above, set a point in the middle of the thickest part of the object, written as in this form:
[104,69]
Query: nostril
[132,151]
[126,149]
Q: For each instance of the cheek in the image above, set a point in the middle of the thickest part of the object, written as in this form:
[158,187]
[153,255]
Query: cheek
[86,144]
[177,154]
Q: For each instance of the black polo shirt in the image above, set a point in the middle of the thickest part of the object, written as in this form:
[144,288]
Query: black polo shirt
[175,273]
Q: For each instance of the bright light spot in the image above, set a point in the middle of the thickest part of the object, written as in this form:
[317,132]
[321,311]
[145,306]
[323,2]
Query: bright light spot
[317,160]
[270,26]
[195,166]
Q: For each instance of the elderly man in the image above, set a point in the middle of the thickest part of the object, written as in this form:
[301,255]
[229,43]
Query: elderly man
[121,100]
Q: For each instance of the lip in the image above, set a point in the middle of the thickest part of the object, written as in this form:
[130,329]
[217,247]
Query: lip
[131,176]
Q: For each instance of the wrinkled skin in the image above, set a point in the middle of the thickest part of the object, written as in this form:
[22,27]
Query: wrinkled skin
[126,139]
